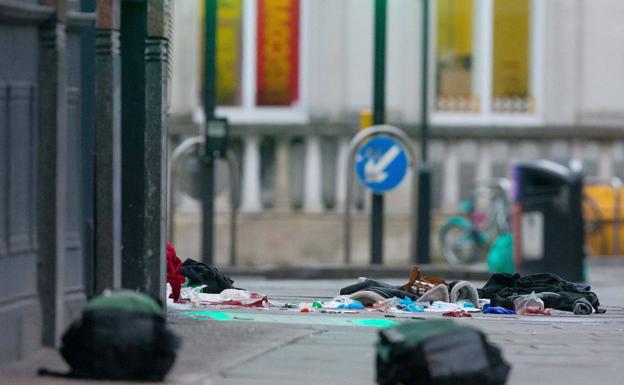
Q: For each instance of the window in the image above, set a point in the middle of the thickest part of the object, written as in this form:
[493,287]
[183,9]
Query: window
[487,61]
[510,57]
[259,48]
[455,88]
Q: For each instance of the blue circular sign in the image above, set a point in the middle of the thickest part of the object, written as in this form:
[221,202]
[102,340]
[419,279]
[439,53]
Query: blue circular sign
[381,163]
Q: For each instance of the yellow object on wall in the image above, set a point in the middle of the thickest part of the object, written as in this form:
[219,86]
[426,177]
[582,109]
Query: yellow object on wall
[454,55]
[454,31]
[600,215]
[229,54]
[511,48]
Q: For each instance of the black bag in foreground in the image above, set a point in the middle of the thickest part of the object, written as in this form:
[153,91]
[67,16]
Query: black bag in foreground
[119,337]
[438,352]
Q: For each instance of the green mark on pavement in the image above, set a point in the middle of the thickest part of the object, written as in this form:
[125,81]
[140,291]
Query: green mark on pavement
[375,322]
[293,319]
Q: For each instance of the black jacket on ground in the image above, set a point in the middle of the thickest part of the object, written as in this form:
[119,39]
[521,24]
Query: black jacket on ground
[199,273]
[503,286]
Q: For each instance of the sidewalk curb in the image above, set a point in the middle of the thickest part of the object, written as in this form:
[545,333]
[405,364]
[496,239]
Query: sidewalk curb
[353,272]
[468,273]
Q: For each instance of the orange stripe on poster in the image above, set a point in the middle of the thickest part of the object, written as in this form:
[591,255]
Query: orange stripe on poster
[277,61]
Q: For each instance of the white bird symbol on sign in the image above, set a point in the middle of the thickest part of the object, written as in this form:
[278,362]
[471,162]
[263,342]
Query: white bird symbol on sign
[374,170]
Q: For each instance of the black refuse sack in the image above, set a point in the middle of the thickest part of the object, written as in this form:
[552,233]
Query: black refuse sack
[199,273]
[119,345]
[121,336]
[438,352]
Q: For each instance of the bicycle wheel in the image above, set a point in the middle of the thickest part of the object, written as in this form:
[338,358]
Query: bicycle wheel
[460,245]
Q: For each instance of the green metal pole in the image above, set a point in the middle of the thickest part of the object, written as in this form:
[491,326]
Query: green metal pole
[208,164]
[210,49]
[424,171]
[379,111]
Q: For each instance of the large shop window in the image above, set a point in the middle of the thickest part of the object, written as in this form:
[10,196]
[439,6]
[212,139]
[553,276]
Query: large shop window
[259,61]
[487,61]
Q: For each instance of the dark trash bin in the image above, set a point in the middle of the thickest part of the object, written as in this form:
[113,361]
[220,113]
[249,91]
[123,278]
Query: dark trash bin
[548,220]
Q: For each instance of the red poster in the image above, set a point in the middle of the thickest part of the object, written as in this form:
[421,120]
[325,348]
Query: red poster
[277,61]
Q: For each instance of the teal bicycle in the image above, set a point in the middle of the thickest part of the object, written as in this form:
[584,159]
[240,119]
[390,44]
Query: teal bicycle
[466,239]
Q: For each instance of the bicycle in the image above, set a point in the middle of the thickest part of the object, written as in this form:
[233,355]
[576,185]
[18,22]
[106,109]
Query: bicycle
[466,239]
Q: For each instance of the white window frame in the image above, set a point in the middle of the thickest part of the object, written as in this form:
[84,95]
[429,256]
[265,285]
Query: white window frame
[248,112]
[483,41]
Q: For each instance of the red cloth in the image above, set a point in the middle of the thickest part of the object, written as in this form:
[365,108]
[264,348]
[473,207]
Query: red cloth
[174,278]
[456,314]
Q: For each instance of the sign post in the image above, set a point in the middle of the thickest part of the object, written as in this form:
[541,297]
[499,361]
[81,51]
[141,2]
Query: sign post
[424,172]
[380,155]
[208,164]
[381,164]
[379,110]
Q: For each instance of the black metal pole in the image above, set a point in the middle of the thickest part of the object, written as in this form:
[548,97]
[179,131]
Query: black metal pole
[133,122]
[379,88]
[208,164]
[424,171]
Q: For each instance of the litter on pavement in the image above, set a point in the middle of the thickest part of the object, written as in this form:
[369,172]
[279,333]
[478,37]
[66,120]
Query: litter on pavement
[507,294]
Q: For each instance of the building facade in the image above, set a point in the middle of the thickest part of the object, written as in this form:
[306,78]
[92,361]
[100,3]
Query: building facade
[67,124]
[509,81]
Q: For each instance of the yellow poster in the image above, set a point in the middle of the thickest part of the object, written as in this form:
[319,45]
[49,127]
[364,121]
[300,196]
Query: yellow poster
[229,58]
[228,50]
[454,56]
[511,49]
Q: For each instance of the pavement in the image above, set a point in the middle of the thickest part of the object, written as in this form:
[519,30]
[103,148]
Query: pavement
[261,347]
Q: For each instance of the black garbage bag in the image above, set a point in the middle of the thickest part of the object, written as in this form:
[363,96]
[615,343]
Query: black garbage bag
[199,273]
[438,352]
[119,337]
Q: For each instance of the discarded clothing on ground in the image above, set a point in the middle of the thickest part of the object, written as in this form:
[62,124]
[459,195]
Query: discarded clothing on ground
[551,300]
[420,288]
[232,297]
[199,273]
[174,278]
[502,288]
[487,309]
[463,290]
[582,307]
[342,302]
[434,352]
[121,336]
[410,306]
[456,314]
[372,291]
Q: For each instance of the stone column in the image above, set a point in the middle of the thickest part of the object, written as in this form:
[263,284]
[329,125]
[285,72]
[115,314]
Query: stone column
[108,149]
[155,139]
[605,162]
[450,183]
[144,137]
[484,162]
[251,176]
[312,179]
[282,191]
[341,174]
[52,171]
